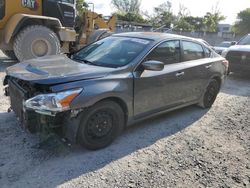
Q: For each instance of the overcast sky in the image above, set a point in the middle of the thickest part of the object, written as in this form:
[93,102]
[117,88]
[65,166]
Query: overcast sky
[229,8]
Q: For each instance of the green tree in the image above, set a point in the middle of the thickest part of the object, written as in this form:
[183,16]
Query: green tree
[190,23]
[125,6]
[131,17]
[128,10]
[80,6]
[242,26]
[184,21]
[183,11]
[211,21]
[163,15]
[183,25]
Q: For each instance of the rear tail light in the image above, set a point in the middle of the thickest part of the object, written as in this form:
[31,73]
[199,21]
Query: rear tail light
[226,63]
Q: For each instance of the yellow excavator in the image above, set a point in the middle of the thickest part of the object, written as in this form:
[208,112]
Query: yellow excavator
[35,28]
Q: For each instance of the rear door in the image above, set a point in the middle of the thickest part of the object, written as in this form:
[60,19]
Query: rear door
[197,65]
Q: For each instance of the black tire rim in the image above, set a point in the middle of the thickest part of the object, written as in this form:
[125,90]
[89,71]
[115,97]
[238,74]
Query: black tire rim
[211,94]
[99,125]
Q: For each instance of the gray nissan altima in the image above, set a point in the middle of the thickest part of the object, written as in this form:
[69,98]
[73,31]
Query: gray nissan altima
[89,97]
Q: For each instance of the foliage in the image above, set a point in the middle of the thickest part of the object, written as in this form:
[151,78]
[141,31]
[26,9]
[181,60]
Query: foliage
[207,23]
[128,10]
[163,15]
[131,17]
[80,6]
[184,25]
[127,6]
[183,11]
[242,26]
[211,20]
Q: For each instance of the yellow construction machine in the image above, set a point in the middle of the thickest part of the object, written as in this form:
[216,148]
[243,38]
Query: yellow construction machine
[35,28]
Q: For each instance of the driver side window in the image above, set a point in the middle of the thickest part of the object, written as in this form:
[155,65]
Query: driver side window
[167,52]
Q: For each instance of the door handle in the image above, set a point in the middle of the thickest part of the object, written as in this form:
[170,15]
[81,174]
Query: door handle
[179,74]
[208,66]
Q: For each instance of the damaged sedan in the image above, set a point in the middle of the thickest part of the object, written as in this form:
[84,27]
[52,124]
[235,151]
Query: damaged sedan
[91,96]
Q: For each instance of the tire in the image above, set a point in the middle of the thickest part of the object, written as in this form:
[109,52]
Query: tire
[36,41]
[210,94]
[100,125]
[97,35]
[10,54]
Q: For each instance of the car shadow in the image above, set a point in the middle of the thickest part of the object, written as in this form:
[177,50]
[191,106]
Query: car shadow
[237,84]
[69,162]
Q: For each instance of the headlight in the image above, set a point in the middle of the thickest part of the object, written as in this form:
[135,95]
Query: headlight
[51,103]
[224,53]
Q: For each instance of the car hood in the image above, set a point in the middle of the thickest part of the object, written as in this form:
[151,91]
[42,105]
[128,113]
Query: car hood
[55,69]
[242,48]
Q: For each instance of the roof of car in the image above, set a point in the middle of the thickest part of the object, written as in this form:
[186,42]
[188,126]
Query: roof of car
[156,36]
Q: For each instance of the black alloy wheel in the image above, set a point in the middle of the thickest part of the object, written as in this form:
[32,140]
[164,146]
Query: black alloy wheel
[100,125]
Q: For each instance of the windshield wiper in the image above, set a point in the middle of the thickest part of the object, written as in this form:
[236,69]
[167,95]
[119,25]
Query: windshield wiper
[88,62]
[93,63]
[84,61]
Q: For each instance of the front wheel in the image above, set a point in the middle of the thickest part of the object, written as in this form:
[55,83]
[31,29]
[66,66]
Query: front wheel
[210,94]
[100,125]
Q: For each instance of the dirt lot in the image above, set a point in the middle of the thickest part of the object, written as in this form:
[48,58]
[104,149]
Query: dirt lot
[186,148]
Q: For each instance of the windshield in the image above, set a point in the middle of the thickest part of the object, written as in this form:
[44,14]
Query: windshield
[244,41]
[112,51]
[225,44]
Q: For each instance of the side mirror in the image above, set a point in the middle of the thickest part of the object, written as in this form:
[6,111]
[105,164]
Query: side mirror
[153,65]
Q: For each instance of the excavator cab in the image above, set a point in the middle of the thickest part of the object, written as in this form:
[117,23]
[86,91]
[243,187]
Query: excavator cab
[64,10]
[2,9]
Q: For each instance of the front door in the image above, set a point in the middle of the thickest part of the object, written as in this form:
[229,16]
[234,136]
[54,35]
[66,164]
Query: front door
[158,90]
[197,63]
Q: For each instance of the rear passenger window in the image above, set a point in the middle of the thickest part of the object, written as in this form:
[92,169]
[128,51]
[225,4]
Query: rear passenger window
[167,52]
[192,51]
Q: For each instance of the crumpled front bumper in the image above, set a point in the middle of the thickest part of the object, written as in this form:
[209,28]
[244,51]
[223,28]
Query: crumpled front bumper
[28,118]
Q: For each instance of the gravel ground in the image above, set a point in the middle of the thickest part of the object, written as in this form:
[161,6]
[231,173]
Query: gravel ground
[186,148]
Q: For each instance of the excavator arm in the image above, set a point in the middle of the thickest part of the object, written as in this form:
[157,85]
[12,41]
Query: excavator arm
[93,27]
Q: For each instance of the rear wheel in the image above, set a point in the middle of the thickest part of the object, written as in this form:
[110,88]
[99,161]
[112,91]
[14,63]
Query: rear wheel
[36,41]
[210,94]
[100,125]
[10,54]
